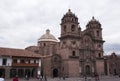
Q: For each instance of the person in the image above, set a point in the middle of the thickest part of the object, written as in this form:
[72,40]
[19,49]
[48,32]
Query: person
[15,78]
[97,77]
[63,77]
[85,78]
[26,76]
[45,78]
[40,77]
[119,75]
[1,78]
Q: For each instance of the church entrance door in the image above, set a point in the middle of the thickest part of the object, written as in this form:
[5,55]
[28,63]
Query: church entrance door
[55,72]
[87,68]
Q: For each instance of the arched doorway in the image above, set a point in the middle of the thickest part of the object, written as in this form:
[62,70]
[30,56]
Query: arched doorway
[2,72]
[55,72]
[87,69]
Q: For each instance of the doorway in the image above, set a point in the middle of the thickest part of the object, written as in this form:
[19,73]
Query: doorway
[115,72]
[13,73]
[55,72]
[2,72]
[87,68]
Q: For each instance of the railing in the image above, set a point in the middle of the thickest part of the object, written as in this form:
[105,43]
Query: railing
[25,64]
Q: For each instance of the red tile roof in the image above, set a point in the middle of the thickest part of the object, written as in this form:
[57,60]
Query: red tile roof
[17,52]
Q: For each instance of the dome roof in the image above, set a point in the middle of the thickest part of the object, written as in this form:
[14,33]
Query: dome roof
[94,22]
[69,14]
[69,17]
[47,37]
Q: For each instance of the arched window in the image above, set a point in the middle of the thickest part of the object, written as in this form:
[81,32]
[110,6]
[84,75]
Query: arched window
[64,28]
[73,28]
[73,53]
[44,44]
[97,33]
[99,55]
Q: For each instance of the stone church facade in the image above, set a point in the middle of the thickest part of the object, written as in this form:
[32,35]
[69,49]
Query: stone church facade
[77,53]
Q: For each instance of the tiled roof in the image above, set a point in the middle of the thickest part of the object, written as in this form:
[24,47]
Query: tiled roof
[17,52]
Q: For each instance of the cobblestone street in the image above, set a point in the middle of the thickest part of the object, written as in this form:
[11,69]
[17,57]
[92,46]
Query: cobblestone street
[106,78]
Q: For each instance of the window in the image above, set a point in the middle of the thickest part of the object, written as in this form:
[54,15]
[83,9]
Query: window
[37,61]
[97,33]
[72,19]
[73,28]
[31,61]
[36,51]
[14,60]
[99,55]
[22,61]
[44,44]
[73,53]
[18,60]
[4,62]
[34,61]
[26,61]
[64,28]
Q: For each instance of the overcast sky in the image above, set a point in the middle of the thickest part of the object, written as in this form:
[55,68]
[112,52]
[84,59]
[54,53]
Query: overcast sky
[22,22]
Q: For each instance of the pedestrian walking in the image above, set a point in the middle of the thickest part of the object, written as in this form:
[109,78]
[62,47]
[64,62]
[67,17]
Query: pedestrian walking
[40,78]
[97,77]
[15,78]
[26,77]
[45,78]
[85,78]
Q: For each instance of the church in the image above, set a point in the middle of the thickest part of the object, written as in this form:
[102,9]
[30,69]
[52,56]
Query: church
[77,53]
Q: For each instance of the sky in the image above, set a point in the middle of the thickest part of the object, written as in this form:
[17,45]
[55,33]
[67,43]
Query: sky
[22,22]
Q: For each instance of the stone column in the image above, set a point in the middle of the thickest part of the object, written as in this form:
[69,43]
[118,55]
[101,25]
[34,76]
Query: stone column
[7,72]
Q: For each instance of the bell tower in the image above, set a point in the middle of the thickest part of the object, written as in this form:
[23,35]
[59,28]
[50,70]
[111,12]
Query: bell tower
[69,43]
[95,30]
[69,25]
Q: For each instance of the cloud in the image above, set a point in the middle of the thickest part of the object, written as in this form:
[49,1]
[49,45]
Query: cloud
[22,22]
[110,48]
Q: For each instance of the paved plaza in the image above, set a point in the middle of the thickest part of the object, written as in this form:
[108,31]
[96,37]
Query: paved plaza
[106,78]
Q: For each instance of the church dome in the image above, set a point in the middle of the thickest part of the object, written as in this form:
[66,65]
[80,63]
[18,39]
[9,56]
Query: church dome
[47,37]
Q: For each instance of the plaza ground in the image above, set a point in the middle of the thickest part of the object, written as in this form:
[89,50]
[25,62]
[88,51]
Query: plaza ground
[105,78]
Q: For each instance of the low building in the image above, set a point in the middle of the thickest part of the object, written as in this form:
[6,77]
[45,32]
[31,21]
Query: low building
[112,64]
[19,62]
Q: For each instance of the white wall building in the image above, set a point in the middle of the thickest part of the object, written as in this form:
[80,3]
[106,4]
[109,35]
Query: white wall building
[5,61]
